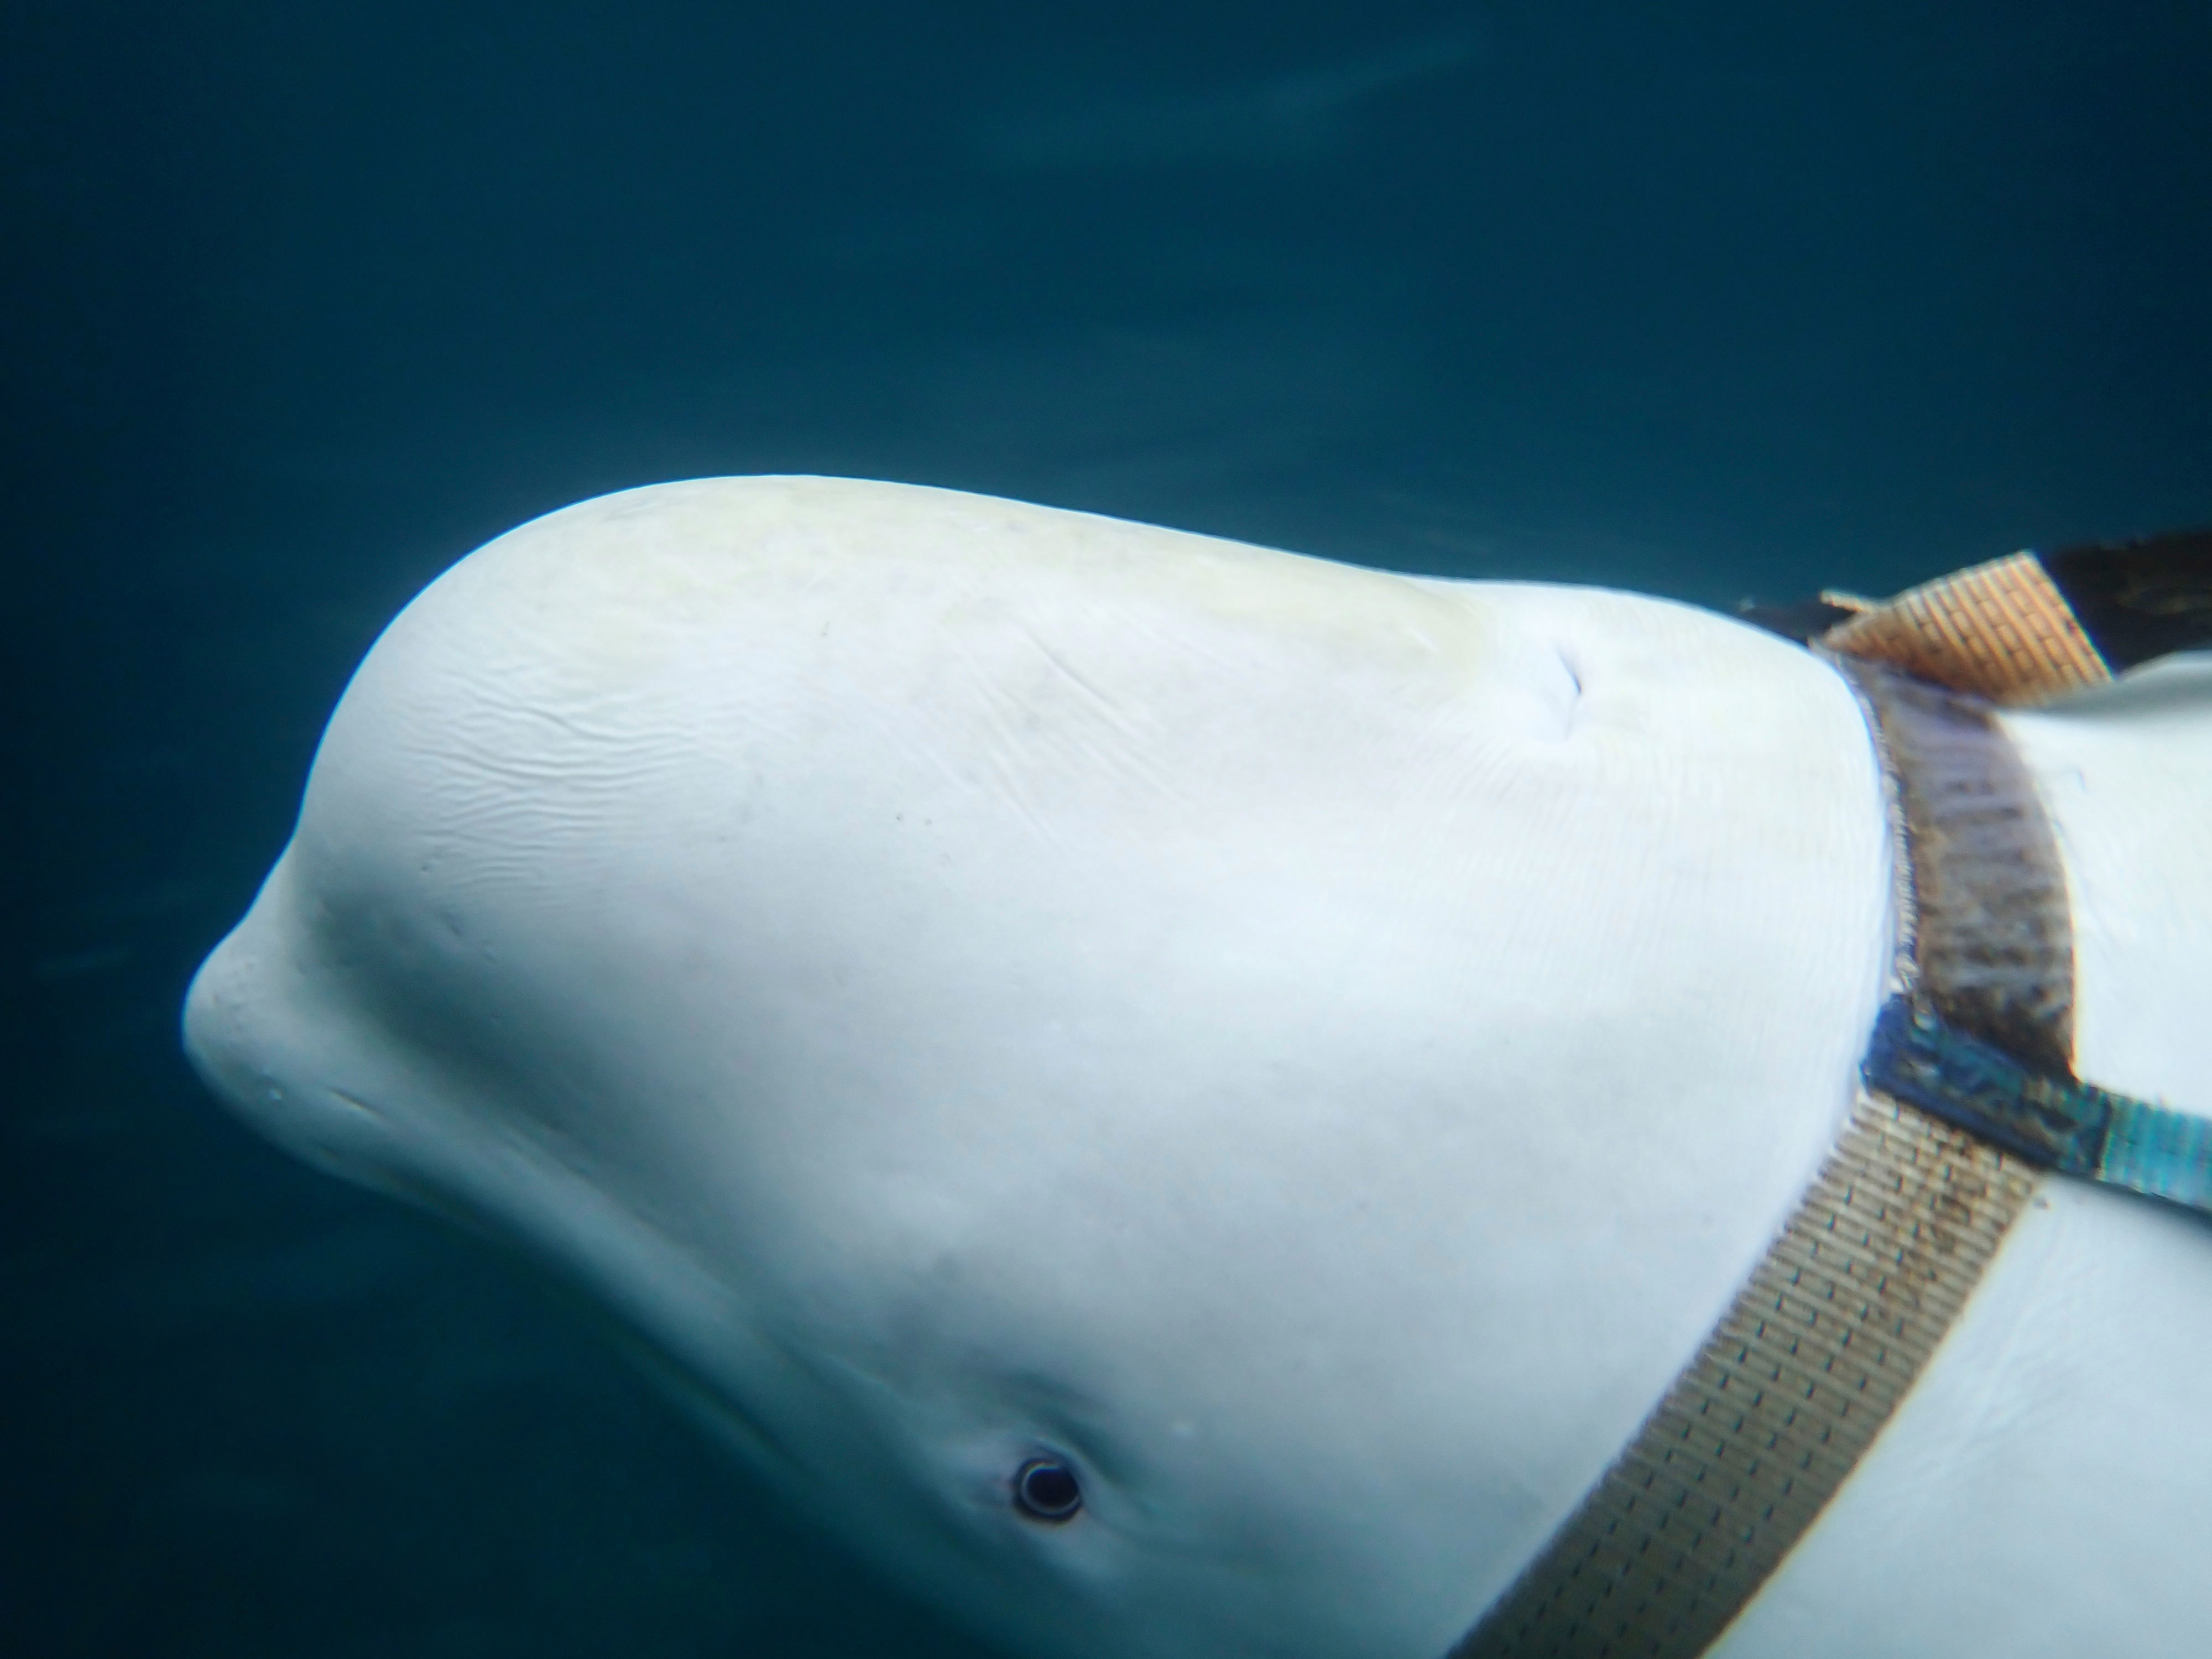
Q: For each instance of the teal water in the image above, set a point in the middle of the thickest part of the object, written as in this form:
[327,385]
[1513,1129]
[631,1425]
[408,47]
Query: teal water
[301,303]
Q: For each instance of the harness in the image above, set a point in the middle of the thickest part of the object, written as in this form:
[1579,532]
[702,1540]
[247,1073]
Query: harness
[1967,1094]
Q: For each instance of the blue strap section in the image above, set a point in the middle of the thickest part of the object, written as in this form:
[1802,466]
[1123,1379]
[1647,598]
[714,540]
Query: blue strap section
[2055,1123]
[2166,1154]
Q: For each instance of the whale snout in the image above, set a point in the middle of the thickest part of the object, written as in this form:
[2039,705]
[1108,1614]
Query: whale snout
[226,1029]
[257,1031]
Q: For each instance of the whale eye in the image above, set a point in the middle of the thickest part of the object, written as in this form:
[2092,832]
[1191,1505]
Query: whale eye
[1045,1490]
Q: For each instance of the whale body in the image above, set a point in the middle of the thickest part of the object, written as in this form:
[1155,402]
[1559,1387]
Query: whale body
[1302,1052]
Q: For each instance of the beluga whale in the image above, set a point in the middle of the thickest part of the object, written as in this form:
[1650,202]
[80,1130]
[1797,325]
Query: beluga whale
[1188,1100]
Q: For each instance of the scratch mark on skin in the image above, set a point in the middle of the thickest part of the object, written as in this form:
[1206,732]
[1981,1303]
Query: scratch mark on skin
[1106,705]
[998,707]
[353,1102]
[1132,757]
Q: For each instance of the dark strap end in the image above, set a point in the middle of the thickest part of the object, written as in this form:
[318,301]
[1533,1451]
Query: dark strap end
[2141,600]
[1804,620]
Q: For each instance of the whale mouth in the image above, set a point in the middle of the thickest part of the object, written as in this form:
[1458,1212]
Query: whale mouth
[715,1409]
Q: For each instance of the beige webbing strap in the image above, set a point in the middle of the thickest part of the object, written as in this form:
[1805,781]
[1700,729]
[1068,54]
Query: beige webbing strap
[1756,1435]
[1817,1349]
[2001,630]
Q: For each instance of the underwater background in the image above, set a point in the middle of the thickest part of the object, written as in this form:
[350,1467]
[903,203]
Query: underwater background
[302,302]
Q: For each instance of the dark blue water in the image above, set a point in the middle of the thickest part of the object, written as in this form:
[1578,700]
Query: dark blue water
[302,302]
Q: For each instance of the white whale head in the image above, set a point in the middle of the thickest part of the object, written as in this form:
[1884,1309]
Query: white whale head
[1289,1056]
